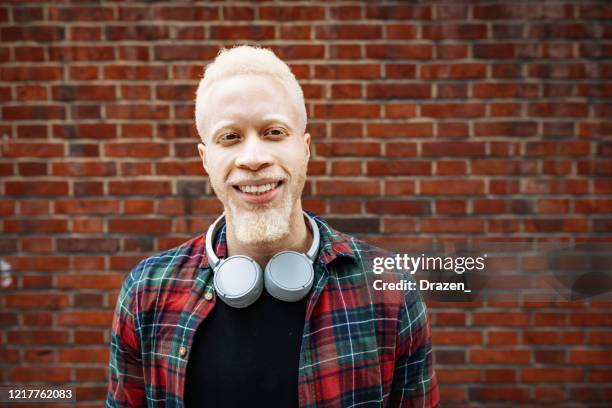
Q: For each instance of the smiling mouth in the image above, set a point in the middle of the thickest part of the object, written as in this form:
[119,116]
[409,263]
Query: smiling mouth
[258,189]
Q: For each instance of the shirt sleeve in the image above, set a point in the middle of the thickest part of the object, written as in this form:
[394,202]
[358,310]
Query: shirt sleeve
[414,380]
[126,380]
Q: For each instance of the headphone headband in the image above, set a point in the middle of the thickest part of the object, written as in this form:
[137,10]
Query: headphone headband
[213,260]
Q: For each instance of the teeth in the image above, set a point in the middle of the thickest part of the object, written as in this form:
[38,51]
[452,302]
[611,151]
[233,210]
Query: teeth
[258,189]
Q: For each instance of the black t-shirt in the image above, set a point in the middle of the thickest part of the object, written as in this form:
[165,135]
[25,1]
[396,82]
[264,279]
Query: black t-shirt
[247,357]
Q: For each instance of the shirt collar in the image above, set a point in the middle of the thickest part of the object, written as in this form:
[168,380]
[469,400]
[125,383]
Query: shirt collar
[333,244]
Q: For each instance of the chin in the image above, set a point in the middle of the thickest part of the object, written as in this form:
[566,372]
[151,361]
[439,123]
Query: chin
[260,225]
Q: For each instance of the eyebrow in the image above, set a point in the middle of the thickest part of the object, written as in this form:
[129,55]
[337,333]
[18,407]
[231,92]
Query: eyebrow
[267,119]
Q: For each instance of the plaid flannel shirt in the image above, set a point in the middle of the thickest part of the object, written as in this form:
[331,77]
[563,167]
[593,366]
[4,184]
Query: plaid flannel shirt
[360,347]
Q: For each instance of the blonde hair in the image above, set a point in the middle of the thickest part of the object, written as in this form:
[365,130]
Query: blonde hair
[248,60]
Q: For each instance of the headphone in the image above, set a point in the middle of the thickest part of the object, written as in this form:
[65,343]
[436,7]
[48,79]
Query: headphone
[239,280]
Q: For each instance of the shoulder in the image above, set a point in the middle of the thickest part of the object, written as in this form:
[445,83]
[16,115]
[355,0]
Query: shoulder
[374,270]
[180,261]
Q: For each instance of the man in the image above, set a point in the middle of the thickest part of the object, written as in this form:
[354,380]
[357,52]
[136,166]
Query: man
[177,338]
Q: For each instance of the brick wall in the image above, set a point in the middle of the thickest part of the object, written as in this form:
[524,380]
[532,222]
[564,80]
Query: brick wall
[430,120]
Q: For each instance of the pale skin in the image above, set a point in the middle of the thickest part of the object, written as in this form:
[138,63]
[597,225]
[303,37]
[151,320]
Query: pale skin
[252,137]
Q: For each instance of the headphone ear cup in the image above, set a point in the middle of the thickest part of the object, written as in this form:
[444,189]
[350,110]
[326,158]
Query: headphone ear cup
[289,276]
[238,281]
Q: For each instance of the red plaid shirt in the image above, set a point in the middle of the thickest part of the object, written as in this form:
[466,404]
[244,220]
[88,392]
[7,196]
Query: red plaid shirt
[360,346]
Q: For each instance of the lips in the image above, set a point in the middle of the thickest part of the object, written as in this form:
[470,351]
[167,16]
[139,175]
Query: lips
[258,189]
[258,192]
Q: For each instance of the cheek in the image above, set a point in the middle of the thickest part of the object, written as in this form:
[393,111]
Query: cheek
[217,166]
[295,155]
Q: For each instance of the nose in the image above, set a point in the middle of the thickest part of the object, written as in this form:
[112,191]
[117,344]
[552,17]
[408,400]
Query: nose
[254,154]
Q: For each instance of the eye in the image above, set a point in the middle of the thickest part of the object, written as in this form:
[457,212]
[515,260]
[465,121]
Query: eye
[276,132]
[228,137]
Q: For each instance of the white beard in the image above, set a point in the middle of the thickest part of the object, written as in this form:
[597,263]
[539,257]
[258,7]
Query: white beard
[266,223]
[262,225]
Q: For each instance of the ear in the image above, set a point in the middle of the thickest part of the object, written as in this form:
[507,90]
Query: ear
[307,144]
[202,153]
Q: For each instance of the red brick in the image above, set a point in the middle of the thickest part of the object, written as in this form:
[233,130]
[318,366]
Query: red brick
[187,13]
[238,12]
[398,207]
[500,319]
[398,91]
[29,226]
[337,187]
[258,32]
[453,225]
[398,167]
[453,149]
[144,187]
[84,92]
[23,337]
[520,129]
[503,167]
[452,130]
[451,187]
[504,90]
[454,338]
[500,375]
[32,33]
[399,187]
[136,33]
[80,319]
[344,110]
[454,31]
[46,374]
[84,355]
[83,33]
[33,112]
[450,168]
[451,51]
[150,150]
[81,53]
[399,12]
[500,394]
[136,73]
[502,338]
[400,110]
[453,71]
[80,13]
[484,356]
[153,112]
[395,130]
[590,357]
[347,71]
[142,225]
[402,31]
[457,375]
[557,109]
[35,300]
[17,149]
[298,51]
[399,51]
[553,337]
[290,13]
[33,188]
[452,110]
[29,54]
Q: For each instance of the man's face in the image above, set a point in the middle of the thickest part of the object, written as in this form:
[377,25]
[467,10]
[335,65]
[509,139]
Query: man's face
[254,155]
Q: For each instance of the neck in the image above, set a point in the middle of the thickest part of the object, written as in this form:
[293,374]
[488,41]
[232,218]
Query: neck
[299,239]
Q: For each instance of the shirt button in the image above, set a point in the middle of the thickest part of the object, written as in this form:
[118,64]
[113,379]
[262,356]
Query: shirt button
[208,296]
[182,351]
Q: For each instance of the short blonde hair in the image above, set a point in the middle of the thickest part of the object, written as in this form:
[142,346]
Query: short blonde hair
[245,60]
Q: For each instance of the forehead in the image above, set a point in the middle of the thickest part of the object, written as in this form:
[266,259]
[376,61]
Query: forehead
[247,98]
